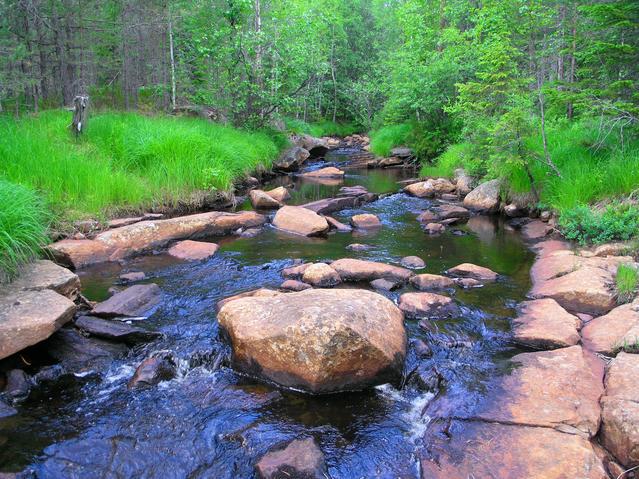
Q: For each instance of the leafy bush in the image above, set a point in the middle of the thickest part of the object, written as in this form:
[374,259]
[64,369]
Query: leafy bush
[388,137]
[616,222]
[24,220]
[626,281]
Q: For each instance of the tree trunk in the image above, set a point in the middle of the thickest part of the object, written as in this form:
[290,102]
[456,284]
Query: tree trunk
[173,86]
[80,114]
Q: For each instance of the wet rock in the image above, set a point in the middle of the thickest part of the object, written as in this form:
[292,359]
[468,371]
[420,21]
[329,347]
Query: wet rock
[258,293]
[115,330]
[365,221]
[467,283]
[251,232]
[321,275]
[463,182]
[359,247]
[413,262]
[295,272]
[6,411]
[615,331]
[434,228]
[557,389]
[587,290]
[260,200]
[132,302]
[513,211]
[426,282]
[389,162]
[301,458]
[535,230]
[317,340]
[337,225]
[189,250]
[402,152]
[445,212]
[28,317]
[469,270]
[422,349]
[361,270]
[620,416]
[77,352]
[484,198]
[471,449]
[145,236]
[49,373]
[152,371]
[348,197]
[543,324]
[425,378]
[301,221]
[430,188]
[280,194]
[294,285]
[430,305]
[385,284]
[18,385]
[44,274]
[328,172]
[291,159]
[119,222]
[427,216]
[132,277]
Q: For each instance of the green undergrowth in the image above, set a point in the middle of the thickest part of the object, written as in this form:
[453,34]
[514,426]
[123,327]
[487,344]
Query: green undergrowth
[384,139]
[320,128]
[24,220]
[126,160]
[626,282]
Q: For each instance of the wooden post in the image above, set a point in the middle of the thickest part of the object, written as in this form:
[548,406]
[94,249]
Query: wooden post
[80,114]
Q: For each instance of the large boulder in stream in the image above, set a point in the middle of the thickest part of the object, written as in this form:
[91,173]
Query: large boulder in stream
[484,198]
[291,159]
[301,221]
[318,340]
[145,236]
[354,270]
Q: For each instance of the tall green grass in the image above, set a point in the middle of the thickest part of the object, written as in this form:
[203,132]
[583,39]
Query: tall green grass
[388,137]
[626,281]
[126,160]
[24,221]
[320,128]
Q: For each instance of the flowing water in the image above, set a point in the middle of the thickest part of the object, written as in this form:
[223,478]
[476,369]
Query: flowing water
[214,423]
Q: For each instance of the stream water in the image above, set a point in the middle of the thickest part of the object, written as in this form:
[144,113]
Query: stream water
[214,423]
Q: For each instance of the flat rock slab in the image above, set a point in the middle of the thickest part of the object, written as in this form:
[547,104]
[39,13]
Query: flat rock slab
[28,317]
[138,238]
[300,458]
[360,270]
[485,450]
[77,352]
[338,225]
[535,230]
[543,324]
[445,212]
[586,290]
[115,330]
[614,331]
[427,305]
[469,270]
[317,340]
[132,302]
[348,197]
[557,389]
[620,417]
[44,274]
[301,221]
[190,250]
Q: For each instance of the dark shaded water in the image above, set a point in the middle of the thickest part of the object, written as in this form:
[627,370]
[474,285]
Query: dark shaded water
[215,424]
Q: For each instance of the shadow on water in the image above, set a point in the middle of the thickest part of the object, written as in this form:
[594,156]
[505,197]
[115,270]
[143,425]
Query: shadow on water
[217,423]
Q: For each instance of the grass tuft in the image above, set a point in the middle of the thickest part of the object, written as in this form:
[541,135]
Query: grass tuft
[388,137]
[24,220]
[626,282]
[320,128]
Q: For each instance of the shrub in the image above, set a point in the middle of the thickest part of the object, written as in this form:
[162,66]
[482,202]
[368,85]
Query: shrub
[388,137]
[24,220]
[617,221]
[626,281]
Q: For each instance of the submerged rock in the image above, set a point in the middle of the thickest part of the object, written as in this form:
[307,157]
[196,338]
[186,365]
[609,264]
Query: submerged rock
[321,275]
[413,262]
[77,352]
[18,385]
[484,198]
[434,228]
[358,247]
[469,270]
[132,277]
[301,221]
[301,458]
[152,371]
[431,305]
[115,330]
[317,340]
[338,225]
[190,250]
[132,302]
[361,270]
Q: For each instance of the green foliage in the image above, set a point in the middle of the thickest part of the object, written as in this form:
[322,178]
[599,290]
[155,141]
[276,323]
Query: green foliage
[388,137]
[24,220]
[320,128]
[127,160]
[626,283]
[585,225]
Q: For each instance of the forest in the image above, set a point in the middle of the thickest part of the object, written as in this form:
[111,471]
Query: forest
[541,93]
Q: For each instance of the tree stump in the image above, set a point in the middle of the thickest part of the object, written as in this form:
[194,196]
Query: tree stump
[80,114]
